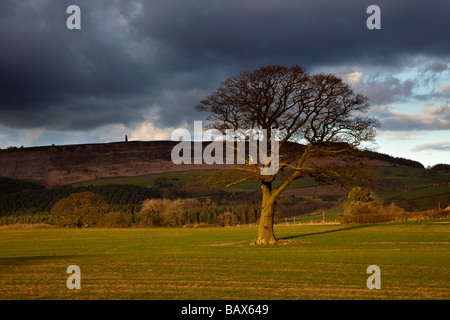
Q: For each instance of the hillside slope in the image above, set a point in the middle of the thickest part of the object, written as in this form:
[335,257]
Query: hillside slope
[62,165]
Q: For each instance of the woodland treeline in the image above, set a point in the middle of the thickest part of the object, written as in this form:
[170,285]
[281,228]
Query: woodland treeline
[28,202]
[23,198]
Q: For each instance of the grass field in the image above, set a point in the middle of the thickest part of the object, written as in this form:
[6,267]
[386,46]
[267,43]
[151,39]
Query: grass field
[413,183]
[190,177]
[310,262]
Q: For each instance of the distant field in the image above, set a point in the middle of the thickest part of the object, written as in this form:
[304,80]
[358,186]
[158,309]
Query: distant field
[414,189]
[415,184]
[187,177]
[405,178]
[420,195]
[311,262]
[147,179]
[409,177]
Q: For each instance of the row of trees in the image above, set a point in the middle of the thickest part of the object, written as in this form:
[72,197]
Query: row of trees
[87,209]
[363,206]
[397,161]
[123,205]
[30,199]
[8,186]
[166,212]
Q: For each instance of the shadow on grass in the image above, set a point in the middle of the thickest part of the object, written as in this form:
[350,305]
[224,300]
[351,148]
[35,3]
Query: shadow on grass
[38,258]
[327,231]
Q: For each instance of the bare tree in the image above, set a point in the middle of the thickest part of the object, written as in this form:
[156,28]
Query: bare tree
[318,117]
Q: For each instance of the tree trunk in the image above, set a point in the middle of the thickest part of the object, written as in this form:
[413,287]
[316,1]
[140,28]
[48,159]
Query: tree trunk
[265,231]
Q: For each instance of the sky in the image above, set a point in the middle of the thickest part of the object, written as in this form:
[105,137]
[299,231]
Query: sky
[138,68]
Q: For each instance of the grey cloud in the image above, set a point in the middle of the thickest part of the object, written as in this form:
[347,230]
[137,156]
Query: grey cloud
[433,69]
[444,91]
[386,90]
[438,146]
[437,67]
[134,56]
[431,118]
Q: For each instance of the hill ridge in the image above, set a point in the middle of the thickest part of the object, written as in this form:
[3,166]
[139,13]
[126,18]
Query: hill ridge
[57,165]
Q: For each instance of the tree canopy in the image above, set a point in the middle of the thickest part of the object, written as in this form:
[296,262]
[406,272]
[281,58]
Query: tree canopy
[318,120]
[80,210]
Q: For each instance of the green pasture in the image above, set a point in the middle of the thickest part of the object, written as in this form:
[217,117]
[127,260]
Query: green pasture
[409,177]
[148,179]
[309,262]
[411,183]
[191,177]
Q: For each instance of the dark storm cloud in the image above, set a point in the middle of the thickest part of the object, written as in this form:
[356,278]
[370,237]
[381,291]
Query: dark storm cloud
[59,79]
[164,56]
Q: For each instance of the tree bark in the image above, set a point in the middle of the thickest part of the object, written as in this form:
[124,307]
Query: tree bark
[265,231]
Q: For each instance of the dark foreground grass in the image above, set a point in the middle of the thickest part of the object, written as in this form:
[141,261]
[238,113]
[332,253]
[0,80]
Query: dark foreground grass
[310,262]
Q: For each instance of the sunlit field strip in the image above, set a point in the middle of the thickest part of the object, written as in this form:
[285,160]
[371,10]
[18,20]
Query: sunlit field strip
[309,262]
